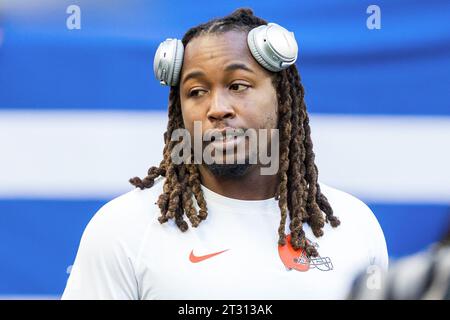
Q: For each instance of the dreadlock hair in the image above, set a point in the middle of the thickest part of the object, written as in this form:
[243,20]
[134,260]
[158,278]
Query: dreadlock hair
[298,192]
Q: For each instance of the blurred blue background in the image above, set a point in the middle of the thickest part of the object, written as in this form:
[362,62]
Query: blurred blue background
[80,113]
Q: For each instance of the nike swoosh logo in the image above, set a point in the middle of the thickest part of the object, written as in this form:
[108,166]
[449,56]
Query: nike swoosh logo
[194,259]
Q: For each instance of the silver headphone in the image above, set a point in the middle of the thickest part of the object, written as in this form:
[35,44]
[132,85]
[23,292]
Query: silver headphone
[271,45]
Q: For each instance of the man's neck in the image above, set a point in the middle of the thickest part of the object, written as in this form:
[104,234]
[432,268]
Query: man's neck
[251,186]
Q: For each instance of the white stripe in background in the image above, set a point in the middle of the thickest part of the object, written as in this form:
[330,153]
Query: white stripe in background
[63,154]
[385,158]
[76,154]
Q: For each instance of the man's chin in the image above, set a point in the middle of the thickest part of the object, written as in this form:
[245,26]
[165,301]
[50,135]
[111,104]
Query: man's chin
[228,170]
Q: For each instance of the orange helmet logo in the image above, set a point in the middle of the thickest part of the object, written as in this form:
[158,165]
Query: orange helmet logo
[299,260]
[293,259]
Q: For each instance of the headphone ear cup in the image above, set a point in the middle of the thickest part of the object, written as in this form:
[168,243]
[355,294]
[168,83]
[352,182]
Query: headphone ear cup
[251,41]
[272,46]
[168,61]
[177,63]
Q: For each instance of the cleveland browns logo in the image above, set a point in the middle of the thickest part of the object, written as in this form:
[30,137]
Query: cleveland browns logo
[298,259]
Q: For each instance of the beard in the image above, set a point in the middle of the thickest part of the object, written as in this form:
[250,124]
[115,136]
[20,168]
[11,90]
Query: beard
[231,170]
[228,170]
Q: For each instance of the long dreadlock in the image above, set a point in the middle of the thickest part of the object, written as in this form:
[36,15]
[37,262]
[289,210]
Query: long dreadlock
[298,192]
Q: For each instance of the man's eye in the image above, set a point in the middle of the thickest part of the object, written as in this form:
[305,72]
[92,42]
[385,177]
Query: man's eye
[197,93]
[239,87]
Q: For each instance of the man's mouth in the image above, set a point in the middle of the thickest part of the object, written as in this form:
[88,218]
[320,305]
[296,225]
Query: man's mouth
[226,134]
[226,139]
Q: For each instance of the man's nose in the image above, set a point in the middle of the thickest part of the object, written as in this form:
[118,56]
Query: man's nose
[220,107]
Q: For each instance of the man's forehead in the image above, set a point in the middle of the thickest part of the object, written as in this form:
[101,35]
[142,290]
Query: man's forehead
[229,45]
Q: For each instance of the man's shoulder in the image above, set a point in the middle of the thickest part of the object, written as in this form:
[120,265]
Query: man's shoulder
[136,200]
[128,213]
[358,222]
[346,205]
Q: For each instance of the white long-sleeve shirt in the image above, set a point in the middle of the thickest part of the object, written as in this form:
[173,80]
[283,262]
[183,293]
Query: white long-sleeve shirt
[125,253]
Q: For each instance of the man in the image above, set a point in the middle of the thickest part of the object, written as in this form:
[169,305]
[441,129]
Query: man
[233,244]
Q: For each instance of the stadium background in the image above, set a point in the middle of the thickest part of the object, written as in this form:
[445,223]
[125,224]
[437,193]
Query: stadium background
[80,113]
